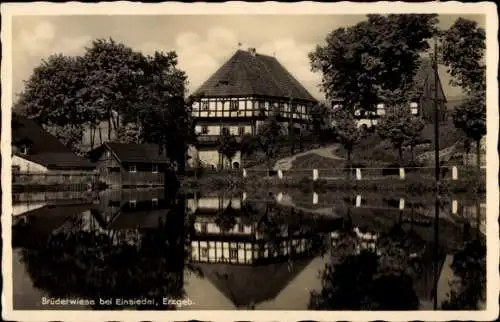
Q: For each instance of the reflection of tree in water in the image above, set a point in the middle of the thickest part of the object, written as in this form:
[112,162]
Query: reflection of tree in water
[92,264]
[275,223]
[226,218]
[364,278]
[468,292]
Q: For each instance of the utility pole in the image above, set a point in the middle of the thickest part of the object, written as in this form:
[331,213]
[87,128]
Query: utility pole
[290,126]
[437,170]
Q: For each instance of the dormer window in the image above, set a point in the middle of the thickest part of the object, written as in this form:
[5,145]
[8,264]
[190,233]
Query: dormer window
[24,149]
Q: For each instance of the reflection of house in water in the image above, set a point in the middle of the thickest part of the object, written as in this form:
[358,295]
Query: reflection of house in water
[128,212]
[245,240]
[252,260]
[43,221]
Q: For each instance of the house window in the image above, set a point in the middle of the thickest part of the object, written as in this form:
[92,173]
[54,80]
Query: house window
[204,129]
[154,201]
[108,154]
[233,253]
[204,252]
[204,106]
[204,228]
[132,168]
[414,108]
[154,168]
[241,130]
[241,228]
[225,131]
[132,204]
[234,105]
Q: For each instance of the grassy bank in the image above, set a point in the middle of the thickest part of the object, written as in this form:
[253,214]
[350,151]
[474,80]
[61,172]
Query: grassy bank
[412,186]
[372,151]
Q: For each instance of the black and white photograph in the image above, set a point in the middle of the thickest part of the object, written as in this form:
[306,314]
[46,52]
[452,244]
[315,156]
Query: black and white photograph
[260,161]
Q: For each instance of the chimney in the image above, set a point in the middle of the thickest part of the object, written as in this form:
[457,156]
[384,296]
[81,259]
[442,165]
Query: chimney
[252,51]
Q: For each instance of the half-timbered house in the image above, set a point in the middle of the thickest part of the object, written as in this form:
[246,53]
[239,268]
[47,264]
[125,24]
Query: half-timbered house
[239,96]
[421,101]
[129,164]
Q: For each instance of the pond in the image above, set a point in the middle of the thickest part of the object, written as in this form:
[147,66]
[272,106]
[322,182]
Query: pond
[226,250]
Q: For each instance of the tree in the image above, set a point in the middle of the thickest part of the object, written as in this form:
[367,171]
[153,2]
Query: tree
[470,117]
[370,61]
[269,136]
[228,147]
[463,47]
[347,131]
[161,109]
[320,118]
[248,146]
[113,83]
[401,128]
[113,72]
[52,97]
[129,133]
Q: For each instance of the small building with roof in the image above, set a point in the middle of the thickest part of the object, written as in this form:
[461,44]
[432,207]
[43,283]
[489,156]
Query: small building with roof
[130,164]
[237,99]
[35,151]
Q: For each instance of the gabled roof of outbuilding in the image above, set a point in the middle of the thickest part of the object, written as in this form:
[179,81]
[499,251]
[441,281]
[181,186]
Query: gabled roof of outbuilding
[132,152]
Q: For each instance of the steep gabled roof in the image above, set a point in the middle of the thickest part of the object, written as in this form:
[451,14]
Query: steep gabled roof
[247,74]
[131,152]
[45,148]
[25,129]
[424,81]
[59,161]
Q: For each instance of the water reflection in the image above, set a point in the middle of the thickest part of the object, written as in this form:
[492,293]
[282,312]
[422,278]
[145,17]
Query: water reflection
[279,250]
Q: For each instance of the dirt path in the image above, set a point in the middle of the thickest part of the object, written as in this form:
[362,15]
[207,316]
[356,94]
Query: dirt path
[327,152]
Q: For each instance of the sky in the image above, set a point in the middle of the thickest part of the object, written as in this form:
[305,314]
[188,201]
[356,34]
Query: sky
[203,43]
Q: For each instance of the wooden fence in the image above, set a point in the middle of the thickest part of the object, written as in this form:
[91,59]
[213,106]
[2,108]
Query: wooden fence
[48,196]
[54,178]
[446,173]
